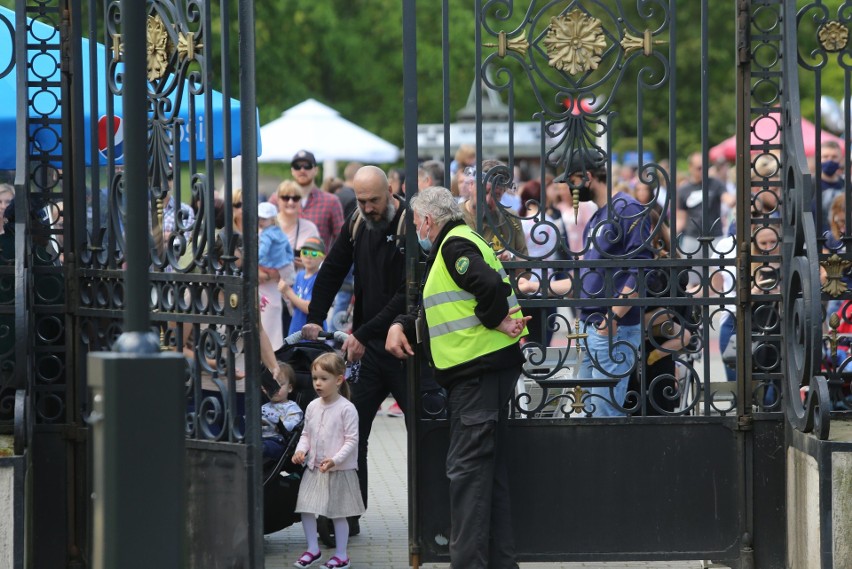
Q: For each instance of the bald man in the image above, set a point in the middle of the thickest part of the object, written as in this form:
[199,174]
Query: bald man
[371,242]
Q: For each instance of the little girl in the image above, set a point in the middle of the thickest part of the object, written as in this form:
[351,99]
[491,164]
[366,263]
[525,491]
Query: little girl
[329,449]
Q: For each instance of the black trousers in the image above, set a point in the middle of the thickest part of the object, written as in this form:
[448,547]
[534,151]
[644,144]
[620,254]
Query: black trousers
[381,373]
[477,466]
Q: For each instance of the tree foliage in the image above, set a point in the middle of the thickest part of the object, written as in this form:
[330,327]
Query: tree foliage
[348,54]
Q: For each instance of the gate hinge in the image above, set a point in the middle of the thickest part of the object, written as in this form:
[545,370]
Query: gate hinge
[72,285]
[65,35]
[743,35]
[745,423]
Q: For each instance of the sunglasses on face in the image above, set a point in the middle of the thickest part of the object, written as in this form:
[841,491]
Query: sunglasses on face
[310,253]
[289,198]
[302,166]
[238,205]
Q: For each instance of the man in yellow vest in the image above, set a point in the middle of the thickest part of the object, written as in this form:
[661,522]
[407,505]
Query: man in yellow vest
[472,321]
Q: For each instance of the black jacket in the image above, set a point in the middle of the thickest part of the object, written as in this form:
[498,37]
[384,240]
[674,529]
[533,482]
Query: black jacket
[492,305]
[379,259]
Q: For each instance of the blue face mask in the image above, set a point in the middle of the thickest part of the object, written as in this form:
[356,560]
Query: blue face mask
[829,167]
[425,242]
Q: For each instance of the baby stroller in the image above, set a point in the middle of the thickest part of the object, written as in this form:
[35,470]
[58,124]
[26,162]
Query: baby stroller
[281,478]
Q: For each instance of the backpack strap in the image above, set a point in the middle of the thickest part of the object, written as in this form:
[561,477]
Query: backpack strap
[356,220]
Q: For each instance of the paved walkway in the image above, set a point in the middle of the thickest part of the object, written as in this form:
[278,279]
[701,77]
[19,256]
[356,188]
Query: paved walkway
[383,543]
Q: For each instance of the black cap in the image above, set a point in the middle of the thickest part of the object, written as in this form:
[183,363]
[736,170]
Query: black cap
[582,160]
[304,156]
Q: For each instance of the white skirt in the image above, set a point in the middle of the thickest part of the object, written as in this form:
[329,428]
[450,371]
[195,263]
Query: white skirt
[334,494]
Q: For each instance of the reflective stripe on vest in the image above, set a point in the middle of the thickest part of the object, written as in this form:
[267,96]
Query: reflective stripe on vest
[456,335]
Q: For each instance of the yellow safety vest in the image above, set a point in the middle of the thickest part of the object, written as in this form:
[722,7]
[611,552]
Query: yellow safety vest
[456,335]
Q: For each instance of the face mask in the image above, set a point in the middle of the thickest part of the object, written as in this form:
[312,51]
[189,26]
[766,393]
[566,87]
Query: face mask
[425,242]
[830,167]
[584,193]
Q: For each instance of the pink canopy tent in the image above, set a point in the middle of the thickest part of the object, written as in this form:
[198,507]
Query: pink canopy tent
[766,129]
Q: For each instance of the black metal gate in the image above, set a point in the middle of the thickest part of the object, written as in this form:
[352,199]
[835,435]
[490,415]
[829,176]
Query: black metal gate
[68,268]
[693,466]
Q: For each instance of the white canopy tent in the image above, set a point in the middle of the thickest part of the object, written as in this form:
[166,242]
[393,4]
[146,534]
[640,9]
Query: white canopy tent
[312,126]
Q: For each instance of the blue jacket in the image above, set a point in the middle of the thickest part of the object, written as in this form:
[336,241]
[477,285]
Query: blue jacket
[274,250]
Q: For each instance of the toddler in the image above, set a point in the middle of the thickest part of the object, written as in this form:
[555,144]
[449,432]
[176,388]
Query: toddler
[274,252]
[279,410]
[329,449]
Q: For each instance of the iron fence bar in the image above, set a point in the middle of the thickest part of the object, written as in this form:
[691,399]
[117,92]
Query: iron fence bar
[96,246]
[22,185]
[135,124]
[743,435]
[73,216]
[412,249]
[743,166]
[445,64]
[477,82]
[227,127]
[249,302]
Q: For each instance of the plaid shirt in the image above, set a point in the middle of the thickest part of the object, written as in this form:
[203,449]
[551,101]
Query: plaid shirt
[325,211]
[169,224]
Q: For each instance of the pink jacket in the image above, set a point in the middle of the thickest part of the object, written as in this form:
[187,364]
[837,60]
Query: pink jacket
[331,431]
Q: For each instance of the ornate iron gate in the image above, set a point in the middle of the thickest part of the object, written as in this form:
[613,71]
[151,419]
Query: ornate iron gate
[690,451]
[69,257]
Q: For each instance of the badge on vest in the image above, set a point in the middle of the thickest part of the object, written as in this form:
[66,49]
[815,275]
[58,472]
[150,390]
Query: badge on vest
[462,264]
[419,329]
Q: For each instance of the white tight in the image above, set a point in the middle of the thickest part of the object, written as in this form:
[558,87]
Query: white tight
[341,534]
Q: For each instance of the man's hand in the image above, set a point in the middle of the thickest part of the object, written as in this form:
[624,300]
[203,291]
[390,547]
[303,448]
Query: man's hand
[353,349]
[311,331]
[513,327]
[607,328]
[397,342]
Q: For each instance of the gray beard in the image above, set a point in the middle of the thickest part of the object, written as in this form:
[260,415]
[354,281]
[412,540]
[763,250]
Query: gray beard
[384,223]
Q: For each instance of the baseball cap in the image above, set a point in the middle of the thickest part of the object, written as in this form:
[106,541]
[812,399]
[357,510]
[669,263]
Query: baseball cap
[582,160]
[266,210]
[314,244]
[304,156]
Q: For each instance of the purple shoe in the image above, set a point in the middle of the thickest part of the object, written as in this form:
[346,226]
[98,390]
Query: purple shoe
[336,563]
[308,559]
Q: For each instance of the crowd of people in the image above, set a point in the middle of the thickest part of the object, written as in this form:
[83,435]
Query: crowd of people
[334,256]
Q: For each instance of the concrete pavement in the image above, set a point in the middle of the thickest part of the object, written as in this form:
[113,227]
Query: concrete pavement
[383,542]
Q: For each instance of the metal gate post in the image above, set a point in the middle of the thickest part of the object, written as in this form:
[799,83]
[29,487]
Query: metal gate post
[744,431]
[409,85]
[250,312]
[138,477]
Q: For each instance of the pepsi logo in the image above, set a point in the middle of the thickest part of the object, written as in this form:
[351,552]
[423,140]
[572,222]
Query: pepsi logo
[117,133]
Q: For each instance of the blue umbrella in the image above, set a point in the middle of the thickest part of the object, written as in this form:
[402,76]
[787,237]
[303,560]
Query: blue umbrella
[42,67]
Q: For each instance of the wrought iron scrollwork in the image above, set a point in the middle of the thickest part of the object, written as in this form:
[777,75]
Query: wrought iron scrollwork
[196,278]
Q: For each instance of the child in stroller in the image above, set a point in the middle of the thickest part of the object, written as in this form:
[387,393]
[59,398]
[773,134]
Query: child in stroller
[279,416]
[281,478]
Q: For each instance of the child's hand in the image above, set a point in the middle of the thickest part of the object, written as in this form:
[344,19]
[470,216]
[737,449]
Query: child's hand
[299,457]
[527,286]
[283,287]
[326,465]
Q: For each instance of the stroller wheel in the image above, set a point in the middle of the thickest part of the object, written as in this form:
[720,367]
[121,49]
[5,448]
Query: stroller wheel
[325,528]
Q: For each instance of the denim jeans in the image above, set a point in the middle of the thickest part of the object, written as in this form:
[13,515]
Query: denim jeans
[341,303]
[610,358]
